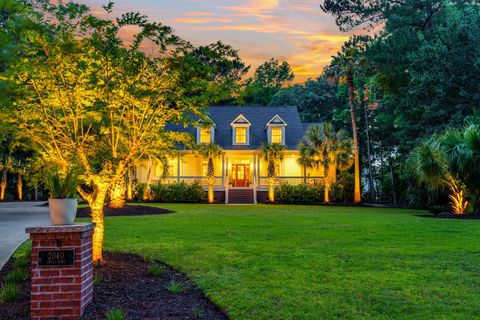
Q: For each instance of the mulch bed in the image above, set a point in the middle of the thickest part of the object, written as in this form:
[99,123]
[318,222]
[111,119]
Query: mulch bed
[125,211]
[126,284]
[451,216]
[20,308]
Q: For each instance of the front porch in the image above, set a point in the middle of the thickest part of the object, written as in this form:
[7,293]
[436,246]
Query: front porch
[234,171]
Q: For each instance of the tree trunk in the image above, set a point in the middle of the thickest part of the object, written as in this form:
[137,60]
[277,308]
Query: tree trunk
[129,185]
[117,193]
[326,191]
[392,177]
[147,194]
[356,192]
[20,187]
[369,156]
[3,185]
[211,180]
[35,195]
[271,181]
[96,202]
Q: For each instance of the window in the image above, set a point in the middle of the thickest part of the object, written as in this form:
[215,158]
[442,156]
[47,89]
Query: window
[204,168]
[240,135]
[205,135]
[277,135]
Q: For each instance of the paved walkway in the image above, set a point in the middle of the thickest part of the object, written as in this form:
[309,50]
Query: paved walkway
[14,218]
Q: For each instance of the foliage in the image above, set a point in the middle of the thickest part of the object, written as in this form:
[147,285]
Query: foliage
[268,79]
[115,314]
[210,151]
[271,154]
[179,192]
[175,287]
[62,186]
[299,194]
[155,270]
[16,276]
[315,99]
[8,293]
[323,147]
[83,95]
[450,160]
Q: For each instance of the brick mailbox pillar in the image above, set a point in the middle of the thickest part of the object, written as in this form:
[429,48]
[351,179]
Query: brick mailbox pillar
[62,271]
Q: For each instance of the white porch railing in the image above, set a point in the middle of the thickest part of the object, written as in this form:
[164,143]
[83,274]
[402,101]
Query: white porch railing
[312,180]
[188,179]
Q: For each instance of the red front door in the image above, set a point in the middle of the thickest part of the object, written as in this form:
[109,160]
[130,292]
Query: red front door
[240,173]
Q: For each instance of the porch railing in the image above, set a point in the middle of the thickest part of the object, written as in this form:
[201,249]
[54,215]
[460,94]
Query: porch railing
[312,180]
[188,179]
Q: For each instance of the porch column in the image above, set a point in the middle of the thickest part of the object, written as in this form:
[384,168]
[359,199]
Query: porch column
[179,163]
[223,171]
[255,179]
[226,179]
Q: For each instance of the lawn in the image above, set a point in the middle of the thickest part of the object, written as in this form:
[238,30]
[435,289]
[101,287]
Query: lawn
[307,262]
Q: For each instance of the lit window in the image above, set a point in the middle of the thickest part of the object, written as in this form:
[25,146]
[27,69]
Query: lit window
[205,135]
[277,136]
[241,135]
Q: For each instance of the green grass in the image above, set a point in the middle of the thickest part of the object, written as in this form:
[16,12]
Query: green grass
[308,262]
[155,270]
[175,287]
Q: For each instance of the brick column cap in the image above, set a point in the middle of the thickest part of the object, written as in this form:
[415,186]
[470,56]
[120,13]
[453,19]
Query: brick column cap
[76,227]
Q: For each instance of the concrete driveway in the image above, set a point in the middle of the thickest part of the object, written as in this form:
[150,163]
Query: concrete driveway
[14,218]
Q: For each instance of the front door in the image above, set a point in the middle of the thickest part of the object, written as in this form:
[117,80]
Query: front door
[239,173]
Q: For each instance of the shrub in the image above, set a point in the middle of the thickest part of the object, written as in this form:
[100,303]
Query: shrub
[180,192]
[8,293]
[21,261]
[175,287]
[16,276]
[301,194]
[155,270]
[115,314]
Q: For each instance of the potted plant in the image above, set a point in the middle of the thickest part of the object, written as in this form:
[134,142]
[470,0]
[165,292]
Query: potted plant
[62,201]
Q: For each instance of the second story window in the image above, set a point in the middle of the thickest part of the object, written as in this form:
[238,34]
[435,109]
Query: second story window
[240,135]
[277,135]
[205,135]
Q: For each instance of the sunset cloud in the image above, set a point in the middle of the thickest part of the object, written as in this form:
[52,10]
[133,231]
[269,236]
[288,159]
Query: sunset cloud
[293,30]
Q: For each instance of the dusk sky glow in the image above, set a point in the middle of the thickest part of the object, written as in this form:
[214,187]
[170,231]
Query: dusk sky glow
[293,30]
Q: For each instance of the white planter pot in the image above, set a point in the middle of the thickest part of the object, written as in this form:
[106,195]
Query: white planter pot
[63,211]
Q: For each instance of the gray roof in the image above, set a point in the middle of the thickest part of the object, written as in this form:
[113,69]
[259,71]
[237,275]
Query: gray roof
[258,116]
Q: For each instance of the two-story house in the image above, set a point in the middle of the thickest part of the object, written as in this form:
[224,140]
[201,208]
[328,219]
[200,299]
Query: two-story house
[241,175]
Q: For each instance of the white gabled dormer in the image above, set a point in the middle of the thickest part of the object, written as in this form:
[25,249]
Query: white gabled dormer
[205,131]
[276,130]
[240,131]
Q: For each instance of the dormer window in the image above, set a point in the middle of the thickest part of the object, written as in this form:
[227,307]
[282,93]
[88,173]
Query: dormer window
[276,130]
[240,131]
[205,132]
[205,135]
[240,135]
[277,135]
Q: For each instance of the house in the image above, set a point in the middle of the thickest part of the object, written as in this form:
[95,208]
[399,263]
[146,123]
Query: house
[241,175]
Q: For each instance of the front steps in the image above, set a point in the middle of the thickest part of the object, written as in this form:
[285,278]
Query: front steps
[240,196]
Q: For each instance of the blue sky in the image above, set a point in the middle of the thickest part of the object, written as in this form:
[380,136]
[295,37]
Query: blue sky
[293,30]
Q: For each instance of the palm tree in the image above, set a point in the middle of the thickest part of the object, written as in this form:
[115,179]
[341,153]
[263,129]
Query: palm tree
[210,151]
[20,167]
[5,166]
[322,147]
[431,167]
[347,63]
[272,153]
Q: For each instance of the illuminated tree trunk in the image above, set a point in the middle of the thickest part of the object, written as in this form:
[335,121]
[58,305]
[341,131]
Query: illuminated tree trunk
[326,191]
[96,202]
[147,194]
[19,187]
[117,193]
[211,180]
[129,185]
[356,191]
[3,185]
[271,181]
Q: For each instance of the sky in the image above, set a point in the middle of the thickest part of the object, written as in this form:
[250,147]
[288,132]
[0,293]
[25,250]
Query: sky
[296,31]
